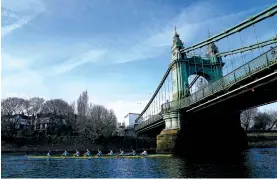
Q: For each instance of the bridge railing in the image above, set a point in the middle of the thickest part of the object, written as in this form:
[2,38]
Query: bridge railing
[259,63]
[151,120]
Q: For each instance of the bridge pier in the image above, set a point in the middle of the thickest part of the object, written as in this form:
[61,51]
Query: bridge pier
[167,138]
[167,120]
[215,132]
[175,119]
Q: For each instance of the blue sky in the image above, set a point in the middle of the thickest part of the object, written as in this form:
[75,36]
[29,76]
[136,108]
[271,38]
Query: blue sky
[118,50]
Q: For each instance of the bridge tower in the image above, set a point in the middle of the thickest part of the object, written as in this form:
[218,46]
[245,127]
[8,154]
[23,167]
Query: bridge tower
[179,75]
[209,67]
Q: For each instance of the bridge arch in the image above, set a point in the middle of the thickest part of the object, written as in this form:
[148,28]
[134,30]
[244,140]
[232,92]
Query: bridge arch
[209,67]
[197,81]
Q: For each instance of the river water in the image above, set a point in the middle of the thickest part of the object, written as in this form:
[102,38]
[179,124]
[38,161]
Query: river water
[258,163]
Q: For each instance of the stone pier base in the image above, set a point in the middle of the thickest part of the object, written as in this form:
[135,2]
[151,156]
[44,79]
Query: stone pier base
[166,141]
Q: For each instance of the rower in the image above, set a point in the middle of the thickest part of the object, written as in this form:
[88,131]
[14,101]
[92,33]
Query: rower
[49,154]
[77,154]
[121,152]
[144,152]
[133,152]
[99,153]
[87,153]
[110,153]
[65,153]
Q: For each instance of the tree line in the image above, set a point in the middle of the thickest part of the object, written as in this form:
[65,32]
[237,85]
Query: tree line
[80,118]
[253,120]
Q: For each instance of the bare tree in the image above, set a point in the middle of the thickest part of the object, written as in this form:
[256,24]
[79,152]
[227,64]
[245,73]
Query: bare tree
[92,120]
[73,107]
[92,125]
[35,105]
[10,107]
[82,104]
[247,117]
[103,120]
[98,122]
[109,124]
[57,107]
[13,105]
[273,120]
[261,121]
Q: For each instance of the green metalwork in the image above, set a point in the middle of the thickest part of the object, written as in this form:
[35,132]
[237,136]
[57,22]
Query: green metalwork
[249,47]
[209,67]
[181,63]
[184,67]
[237,28]
[258,64]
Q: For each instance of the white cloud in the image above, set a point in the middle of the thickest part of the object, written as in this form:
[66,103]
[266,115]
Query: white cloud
[77,60]
[190,24]
[12,63]
[22,12]
[18,79]
[123,107]
[25,82]
[25,6]
[9,28]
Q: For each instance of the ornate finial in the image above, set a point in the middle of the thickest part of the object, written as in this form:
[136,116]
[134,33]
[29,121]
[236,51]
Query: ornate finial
[176,34]
[209,33]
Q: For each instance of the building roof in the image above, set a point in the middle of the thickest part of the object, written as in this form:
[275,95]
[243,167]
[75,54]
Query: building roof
[132,113]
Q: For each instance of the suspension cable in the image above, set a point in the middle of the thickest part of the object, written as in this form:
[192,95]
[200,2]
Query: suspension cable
[232,57]
[242,46]
[194,65]
[202,66]
[257,38]
[274,27]
[168,88]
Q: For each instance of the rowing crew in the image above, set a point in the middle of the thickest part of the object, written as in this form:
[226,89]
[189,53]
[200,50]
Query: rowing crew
[88,153]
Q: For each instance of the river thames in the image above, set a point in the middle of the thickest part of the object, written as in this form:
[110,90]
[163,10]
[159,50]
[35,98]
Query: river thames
[257,163]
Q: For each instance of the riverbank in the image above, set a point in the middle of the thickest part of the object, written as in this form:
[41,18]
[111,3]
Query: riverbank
[262,139]
[255,140]
[71,144]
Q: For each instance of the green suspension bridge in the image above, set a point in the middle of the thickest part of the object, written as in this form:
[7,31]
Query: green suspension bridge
[204,90]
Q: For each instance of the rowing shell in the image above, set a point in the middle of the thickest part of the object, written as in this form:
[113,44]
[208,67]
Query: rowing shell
[136,156]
